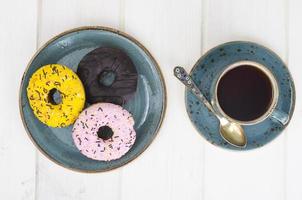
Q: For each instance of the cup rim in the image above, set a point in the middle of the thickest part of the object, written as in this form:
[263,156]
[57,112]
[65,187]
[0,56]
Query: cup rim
[275,91]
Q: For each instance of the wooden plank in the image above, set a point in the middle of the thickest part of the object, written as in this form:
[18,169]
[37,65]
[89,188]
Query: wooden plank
[294,137]
[17,153]
[58,16]
[55,182]
[172,167]
[258,173]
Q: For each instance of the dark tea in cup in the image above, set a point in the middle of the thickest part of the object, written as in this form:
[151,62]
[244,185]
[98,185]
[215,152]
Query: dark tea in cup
[245,91]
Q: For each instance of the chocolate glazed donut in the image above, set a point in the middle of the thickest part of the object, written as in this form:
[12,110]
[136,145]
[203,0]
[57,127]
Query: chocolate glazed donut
[108,75]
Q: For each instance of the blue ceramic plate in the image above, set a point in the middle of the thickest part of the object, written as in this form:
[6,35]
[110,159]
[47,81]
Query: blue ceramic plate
[147,107]
[205,74]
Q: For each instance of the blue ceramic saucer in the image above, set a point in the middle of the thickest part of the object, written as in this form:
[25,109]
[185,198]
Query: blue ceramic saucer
[147,107]
[205,74]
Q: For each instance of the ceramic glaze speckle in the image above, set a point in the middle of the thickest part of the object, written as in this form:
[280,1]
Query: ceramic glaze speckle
[206,73]
[68,49]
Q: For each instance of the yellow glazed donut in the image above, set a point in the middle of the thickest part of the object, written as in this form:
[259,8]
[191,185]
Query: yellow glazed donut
[56,95]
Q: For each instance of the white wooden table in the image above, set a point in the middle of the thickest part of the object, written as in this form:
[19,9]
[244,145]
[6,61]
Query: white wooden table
[177,32]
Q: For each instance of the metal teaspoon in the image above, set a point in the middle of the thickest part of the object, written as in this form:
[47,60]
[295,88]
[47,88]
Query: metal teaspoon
[231,132]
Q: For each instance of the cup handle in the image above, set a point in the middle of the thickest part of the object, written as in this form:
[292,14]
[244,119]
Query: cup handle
[280,116]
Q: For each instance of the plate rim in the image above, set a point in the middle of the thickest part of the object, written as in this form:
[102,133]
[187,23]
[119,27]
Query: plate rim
[99,28]
[204,55]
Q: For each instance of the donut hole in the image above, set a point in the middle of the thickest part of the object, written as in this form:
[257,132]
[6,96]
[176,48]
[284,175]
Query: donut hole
[105,132]
[54,96]
[106,78]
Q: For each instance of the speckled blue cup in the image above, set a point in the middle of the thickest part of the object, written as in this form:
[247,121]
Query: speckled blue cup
[213,65]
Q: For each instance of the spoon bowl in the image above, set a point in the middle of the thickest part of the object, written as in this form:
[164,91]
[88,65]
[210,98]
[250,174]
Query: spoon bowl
[232,133]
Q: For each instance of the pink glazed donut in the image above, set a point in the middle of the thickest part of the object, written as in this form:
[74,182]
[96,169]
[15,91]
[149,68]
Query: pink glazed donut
[104,131]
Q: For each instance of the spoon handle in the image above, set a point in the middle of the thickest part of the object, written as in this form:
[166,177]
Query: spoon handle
[230,132]
[181,74]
